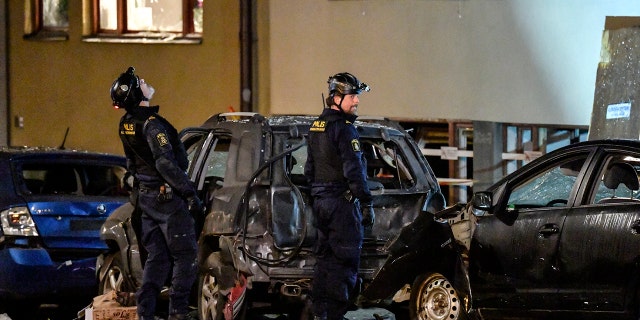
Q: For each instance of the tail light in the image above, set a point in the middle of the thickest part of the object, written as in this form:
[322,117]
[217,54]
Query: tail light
[17,221]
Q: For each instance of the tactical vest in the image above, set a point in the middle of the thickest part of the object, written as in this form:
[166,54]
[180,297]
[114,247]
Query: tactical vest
[134,141]
[324,147]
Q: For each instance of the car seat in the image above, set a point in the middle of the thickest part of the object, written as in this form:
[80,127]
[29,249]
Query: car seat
[620,173]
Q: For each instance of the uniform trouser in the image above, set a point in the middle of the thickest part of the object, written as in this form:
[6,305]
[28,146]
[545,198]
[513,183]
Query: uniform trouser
[337,255]
[168,234]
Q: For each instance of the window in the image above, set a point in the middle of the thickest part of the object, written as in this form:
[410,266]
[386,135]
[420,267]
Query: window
[552,187]
[296,161]
[148,20]
[46,20]
[72,179]
[217,160]
[386,166]
[618,180]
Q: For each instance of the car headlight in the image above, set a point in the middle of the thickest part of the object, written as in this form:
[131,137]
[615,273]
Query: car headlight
[17,222]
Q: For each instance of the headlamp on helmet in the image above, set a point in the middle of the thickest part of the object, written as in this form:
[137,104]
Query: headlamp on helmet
[345,83]
[125,91]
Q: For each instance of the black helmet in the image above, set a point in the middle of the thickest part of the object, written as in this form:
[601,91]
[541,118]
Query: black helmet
[125,91]
[345,83]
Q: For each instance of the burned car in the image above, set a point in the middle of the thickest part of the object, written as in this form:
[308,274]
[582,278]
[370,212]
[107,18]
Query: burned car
[560,237]
[255,240]
[52,205]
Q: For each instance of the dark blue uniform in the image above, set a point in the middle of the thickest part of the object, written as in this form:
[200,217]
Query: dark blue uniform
[157,158]
[336,170]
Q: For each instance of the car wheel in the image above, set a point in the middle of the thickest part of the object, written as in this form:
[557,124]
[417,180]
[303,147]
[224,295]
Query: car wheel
[212,303]
[115,278]
[433,297]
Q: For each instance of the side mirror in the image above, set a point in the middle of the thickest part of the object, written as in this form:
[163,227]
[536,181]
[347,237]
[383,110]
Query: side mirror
[482,200]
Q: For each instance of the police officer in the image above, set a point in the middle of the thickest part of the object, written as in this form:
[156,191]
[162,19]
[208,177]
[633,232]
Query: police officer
[336,171]
[157,159]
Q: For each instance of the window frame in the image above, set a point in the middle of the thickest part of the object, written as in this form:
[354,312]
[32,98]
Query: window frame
[625,156]
[122,34]
[34,28]
[543,168]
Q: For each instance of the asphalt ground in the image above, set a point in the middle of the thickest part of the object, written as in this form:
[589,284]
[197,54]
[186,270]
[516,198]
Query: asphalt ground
[70,312]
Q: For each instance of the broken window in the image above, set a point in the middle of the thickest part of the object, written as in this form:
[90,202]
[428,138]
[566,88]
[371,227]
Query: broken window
[552,187]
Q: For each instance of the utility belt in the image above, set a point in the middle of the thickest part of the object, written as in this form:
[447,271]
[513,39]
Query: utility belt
[165,193]
[349,196]
[329,189]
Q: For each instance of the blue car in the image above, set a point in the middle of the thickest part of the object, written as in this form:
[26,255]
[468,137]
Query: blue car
[52,205]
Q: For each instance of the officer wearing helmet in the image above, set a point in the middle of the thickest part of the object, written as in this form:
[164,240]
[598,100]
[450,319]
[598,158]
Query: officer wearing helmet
[336,171]
[158,161]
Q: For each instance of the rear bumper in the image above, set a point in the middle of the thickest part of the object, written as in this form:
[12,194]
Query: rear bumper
[29,273]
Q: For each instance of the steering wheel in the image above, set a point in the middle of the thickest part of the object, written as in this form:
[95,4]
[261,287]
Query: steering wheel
[556,201]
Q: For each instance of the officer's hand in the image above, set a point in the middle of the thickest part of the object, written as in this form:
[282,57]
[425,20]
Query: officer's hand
[368,216]
[195,206]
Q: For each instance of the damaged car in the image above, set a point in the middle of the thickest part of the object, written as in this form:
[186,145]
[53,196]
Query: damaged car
[53,203]
[255,242]
[560,237]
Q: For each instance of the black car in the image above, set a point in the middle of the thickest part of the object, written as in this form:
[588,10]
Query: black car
[560,237]
[52,204]
[255,242]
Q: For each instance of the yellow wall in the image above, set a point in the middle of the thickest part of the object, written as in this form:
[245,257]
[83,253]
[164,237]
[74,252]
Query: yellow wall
[60,84]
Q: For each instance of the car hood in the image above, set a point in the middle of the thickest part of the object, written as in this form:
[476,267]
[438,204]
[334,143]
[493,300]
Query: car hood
[72,224]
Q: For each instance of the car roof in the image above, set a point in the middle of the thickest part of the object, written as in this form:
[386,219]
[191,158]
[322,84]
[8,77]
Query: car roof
[626,144]
[610,142]
[23,153]
[283,122]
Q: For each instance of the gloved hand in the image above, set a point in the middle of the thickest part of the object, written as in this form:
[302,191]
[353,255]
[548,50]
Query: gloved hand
[195,206]
[368,216]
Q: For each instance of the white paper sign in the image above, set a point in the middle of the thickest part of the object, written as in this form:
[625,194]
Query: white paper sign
[619,110]
[532,155]
[449,153]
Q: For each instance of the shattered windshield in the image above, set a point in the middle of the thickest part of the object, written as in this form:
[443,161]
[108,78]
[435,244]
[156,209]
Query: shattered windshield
[552,187]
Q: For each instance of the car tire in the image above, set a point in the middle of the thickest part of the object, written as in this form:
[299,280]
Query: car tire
[115,278]
[433,297]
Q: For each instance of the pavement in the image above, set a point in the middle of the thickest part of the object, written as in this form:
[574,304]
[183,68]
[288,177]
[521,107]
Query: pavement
[359,314]
[370,314]
[71,313]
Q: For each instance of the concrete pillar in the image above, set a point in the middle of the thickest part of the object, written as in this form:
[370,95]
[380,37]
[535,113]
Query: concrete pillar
[487,154]
[616,112]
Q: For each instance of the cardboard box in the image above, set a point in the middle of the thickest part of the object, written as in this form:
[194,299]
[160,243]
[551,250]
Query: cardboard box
[116,313]
[105,307]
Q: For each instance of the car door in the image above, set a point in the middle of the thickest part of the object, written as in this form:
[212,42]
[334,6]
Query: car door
[208,154]
[513,253]
[600,243]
